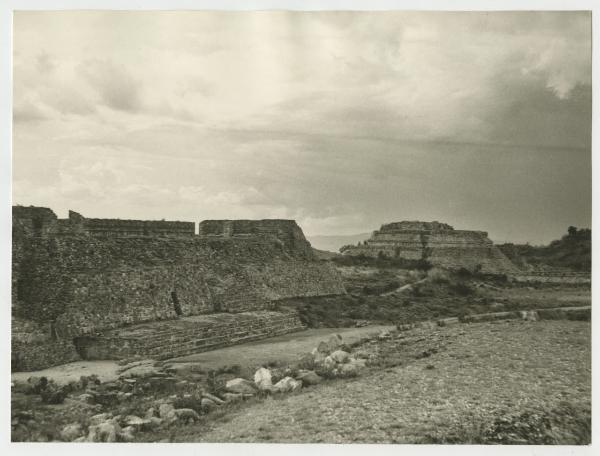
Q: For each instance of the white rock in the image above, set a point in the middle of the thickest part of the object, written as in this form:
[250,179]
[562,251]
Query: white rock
[240,385]
[262,379]
[165,409]
[126,434]
[340,356]
[103,432]
[71,432]
[137,422]
[287,384]
[100,418]
[328,363]
[213,398]
[233,397]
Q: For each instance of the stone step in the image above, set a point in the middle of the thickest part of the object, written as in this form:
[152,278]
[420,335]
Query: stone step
[191,336]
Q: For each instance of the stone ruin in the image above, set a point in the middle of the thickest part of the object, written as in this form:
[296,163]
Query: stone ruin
[110,289]
[437,243]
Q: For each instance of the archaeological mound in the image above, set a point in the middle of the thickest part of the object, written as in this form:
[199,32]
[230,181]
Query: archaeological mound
[85,288]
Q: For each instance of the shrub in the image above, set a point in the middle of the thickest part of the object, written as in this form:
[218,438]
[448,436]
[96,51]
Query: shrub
[437,275]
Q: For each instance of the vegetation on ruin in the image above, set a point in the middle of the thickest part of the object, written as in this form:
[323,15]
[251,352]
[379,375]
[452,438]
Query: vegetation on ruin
[572,251]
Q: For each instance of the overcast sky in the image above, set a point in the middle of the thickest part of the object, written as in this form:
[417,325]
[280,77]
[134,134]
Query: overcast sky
[342,121]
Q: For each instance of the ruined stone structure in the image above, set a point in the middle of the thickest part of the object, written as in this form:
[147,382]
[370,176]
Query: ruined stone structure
[77,282]
[435,242]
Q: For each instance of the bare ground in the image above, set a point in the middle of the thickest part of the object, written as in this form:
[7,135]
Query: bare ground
[454,384]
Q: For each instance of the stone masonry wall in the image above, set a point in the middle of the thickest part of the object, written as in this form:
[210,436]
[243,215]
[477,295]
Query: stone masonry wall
[72,284]
[437,243]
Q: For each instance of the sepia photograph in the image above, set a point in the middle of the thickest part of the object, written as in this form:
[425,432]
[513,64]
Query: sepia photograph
[284,226]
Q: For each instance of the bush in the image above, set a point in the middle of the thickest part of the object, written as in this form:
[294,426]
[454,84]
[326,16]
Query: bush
[437,275]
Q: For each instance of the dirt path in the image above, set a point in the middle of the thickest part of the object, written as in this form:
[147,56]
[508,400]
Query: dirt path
[282,348]
[481,372]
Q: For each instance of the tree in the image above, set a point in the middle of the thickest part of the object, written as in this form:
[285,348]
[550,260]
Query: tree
[572,231]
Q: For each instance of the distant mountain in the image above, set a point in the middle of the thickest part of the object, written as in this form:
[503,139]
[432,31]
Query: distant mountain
[334,242]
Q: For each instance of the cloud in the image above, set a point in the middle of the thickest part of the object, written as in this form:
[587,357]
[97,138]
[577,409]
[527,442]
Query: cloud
[113,82]
[342,120]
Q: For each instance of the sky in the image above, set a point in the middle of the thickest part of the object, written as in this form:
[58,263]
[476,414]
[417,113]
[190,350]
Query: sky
[342,121]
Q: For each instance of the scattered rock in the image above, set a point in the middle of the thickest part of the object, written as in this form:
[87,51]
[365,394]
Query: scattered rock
[207,405]
[309,378]
[213,398]
[126,434]
[287,384]
[137,422]
[348,370]
[328,363]
[100,418]
[307,361]
[165,409]
[103,432]
[233,397]
[530,315]
[186,415]
[86,397]
[71,432]
[53,394]
[323,348]
[151,412]
[383,335]
[334,343]
[262,379]
[340,356]
[360,363]
[240,385]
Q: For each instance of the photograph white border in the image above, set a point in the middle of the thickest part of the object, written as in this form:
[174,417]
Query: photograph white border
[6,9]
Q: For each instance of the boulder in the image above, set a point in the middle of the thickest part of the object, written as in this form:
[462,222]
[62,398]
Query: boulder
[186,415]
[309,378]
[323,347]
[71,432]
[385,334]
[100,418]
[262,379]
[340,356]
[165,409]
[137,422]
[287,384]
[215,399]
[334,342]
[319,358]
[328,363]
[530,315]
[240,385]
[126,434]
[151,412]
[103,432]
[360,363]
[348,370]
[207,405]
[233,397]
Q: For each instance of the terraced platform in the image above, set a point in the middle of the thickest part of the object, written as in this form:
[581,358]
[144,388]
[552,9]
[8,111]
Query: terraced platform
[187,335]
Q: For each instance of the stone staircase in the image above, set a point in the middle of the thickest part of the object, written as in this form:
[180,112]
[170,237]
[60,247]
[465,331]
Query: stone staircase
[188,335]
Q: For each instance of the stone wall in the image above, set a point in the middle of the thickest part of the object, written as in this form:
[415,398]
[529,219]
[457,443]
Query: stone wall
[186,336]
[287,231]
[82,284]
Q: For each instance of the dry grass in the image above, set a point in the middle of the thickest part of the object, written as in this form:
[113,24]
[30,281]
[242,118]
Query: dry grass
[498,382]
